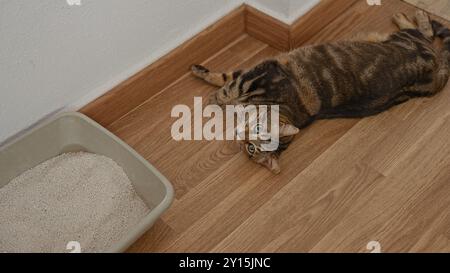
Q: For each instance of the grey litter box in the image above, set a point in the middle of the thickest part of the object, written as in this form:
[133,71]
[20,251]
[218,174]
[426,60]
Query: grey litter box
[73,132]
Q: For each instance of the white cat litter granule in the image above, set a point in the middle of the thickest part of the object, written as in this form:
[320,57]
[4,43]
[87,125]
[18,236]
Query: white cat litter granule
[80,197]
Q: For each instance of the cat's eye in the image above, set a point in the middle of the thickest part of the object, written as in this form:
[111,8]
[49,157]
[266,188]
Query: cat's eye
[251,148]
[257,128]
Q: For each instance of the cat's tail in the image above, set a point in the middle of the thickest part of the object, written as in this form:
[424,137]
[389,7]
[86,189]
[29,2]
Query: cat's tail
[442,32]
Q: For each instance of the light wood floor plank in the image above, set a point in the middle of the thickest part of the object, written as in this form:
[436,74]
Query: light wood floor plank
[408,210]
[232,196]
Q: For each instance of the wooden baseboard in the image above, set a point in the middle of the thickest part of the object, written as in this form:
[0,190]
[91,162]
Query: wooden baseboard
[267,29]
[245,19]
[287,37]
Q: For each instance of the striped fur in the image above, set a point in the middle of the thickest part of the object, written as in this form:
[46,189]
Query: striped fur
[346,79]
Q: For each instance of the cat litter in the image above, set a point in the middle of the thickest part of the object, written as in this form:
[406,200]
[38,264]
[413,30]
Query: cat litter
[81,197]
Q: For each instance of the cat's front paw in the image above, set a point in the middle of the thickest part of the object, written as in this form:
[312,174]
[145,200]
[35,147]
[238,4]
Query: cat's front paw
[212,99]
[199,70]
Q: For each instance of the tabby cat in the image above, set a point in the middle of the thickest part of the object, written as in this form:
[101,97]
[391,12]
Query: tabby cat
[347,79]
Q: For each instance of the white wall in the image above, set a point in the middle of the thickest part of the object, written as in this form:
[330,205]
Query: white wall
[276,8]
[299,7]
[55,56]
[285,10]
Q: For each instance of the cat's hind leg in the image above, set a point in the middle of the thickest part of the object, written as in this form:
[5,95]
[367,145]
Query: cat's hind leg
[424,24]
[437,83]
[403,22]
[214,78]
[441,72]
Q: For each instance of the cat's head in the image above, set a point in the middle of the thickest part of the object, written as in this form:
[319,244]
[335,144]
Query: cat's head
[257,150]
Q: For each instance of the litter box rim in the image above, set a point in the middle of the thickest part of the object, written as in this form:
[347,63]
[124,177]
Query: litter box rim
[155,212]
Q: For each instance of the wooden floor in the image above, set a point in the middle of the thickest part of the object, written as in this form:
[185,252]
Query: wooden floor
[437,7]
[343,182]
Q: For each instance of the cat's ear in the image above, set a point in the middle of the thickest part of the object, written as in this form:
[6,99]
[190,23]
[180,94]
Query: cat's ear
[271,163]
[288,130]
